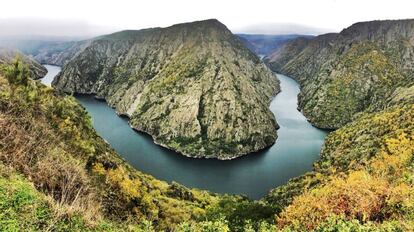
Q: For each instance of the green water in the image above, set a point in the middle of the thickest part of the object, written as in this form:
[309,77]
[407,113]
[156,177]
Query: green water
[296,148]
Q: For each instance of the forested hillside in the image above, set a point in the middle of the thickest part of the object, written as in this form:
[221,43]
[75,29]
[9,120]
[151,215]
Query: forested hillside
[363,68]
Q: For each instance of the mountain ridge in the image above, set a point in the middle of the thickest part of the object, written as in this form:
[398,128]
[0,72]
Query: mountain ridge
[185,85]
[321,65]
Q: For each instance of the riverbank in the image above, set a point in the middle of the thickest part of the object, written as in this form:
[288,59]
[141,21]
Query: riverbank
[293,154]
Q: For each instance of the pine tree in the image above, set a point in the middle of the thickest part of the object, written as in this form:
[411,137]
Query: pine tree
[17,74]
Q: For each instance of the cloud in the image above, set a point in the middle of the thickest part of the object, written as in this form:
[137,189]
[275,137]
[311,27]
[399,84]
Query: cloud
[35,27]
[44,28]
[282,29]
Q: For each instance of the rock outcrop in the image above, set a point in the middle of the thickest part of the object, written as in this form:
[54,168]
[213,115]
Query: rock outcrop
[367,67]
[194,87]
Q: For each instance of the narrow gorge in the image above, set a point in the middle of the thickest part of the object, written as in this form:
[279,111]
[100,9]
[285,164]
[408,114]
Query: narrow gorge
[252,175]
[185,128]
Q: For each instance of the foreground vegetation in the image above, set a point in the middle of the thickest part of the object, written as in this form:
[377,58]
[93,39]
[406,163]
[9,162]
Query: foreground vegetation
[360,81]
[364,180]
[57,174]
[365,67]
[47,142]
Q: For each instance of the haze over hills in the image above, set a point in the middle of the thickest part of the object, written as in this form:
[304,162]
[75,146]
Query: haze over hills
[194,87]
[267,44]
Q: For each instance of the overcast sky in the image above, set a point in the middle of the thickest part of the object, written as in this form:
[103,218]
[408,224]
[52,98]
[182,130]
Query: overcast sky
[89,18]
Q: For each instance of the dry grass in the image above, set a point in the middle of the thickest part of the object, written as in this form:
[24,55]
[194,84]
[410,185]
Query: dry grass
[30,145]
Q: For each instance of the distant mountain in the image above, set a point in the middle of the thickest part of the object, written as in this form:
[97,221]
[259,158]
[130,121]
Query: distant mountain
[45,50]
[7,56]
[58,53]
[266,44]
[367,67]
[194,87]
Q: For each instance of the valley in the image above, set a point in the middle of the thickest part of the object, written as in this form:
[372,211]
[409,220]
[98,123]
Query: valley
[193,87]
[249,176]
[184,128]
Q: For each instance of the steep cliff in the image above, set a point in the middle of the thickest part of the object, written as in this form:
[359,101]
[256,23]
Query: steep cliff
[360,69]
[194,87]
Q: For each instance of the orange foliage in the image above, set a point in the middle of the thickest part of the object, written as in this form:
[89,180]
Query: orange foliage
[119,178]
[358,196]
[394,156]
[383,191]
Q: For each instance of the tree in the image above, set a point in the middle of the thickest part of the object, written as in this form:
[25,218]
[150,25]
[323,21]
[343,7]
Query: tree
[17,74]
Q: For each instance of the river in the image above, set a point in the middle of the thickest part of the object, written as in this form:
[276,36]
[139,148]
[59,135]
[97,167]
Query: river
[293,154]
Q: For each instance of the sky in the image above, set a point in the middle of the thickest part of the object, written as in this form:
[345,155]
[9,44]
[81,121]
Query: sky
[83,18]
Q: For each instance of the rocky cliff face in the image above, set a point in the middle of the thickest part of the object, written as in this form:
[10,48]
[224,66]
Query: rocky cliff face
[363,68]
[8,55]
[194,87]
